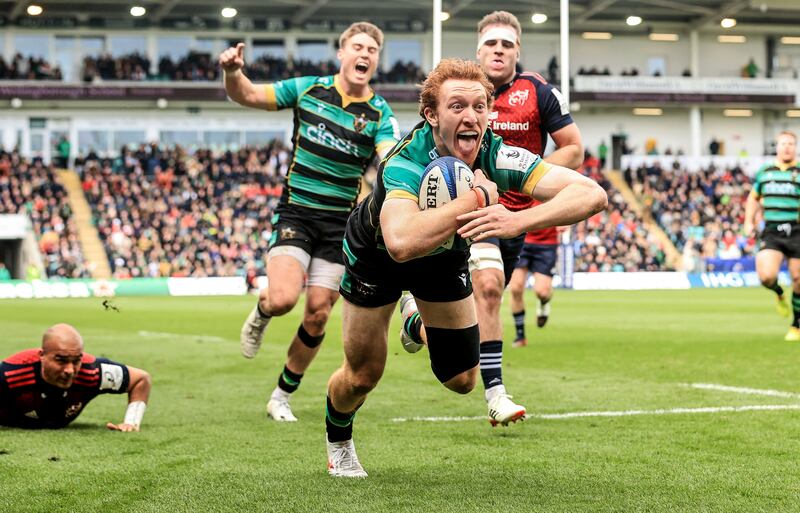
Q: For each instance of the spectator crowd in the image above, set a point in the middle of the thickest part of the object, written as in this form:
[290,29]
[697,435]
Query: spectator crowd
[702,213]
[162,213]
[32,188]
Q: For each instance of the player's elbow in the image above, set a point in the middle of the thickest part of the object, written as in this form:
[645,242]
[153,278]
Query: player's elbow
[398,249]
[576,158]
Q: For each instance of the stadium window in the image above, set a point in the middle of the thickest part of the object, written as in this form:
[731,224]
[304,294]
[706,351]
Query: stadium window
[314,50]
[221,140]
[32,45]
[262,138]
[129,138]
[127,45]
[96,140]
[174,47]
[186,139]
[268,48]
[206,45]
[403,50]
[37,142]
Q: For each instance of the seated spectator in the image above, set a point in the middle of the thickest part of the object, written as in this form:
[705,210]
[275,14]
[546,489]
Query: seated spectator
[32,188]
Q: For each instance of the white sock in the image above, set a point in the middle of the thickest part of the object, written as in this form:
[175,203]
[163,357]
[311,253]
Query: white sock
[280,394]
[494,391]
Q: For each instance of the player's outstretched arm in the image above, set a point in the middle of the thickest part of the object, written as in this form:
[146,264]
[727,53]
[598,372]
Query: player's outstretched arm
[138,394]
[412,233]
[570,147]
[568,195]
[238,87]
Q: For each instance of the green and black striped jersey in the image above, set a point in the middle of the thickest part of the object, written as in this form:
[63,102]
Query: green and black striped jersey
[335,138]
[400,176]
[777,185]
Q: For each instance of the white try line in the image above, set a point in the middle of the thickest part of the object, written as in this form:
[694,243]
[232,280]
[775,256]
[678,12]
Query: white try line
[743,390]
[159,334]
[621,413]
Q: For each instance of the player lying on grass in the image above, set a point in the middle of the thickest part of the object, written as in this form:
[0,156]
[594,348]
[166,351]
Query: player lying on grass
[50,387]
[391,245]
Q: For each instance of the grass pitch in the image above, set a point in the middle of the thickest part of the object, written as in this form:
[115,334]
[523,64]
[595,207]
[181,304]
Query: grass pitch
[206,444]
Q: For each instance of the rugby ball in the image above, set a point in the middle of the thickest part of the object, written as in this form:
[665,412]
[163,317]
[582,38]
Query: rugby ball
[443,181]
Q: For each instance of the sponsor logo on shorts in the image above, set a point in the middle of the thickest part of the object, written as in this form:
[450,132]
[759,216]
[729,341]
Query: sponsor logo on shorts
[463,278]
[365,289]
[288,233]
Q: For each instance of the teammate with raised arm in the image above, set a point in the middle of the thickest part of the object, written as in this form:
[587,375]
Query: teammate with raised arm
[391,245]
[526,109]
[339,126]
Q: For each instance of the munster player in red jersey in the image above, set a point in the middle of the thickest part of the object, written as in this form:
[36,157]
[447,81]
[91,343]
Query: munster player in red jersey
[526,109]
[49,387]
[538,257]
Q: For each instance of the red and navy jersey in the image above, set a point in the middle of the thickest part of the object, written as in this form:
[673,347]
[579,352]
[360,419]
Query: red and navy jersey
[525,111]
[26,400]
[547,236]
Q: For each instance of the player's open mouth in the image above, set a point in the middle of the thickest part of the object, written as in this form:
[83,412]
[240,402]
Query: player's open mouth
[467,141]
[362,68]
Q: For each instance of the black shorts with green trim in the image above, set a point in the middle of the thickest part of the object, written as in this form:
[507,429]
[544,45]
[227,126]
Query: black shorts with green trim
[783,237]
[372,279]
[317,232]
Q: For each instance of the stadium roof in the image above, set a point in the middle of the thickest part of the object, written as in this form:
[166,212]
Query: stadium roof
[771,16]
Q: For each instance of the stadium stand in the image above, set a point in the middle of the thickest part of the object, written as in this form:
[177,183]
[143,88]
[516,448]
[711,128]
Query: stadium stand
[34,189]
[702,212]
[617,239]
[200,67]
[28,68]
[161,212]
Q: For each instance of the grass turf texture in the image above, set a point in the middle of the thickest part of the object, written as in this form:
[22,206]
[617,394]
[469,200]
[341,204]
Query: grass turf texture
[206,444]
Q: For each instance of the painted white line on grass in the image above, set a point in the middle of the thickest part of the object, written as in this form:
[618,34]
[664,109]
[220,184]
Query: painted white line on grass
[159,334]
[743,390]
[621,413]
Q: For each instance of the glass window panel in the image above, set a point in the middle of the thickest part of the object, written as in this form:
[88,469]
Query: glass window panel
[96,140]
[262,138]
[32,45]
[218,140]
[37,142]
[314,51]
[174,47]
[268,48]
[403,50]
[205,45]
[126,45]
[130,138]
[184,138]
[92,45]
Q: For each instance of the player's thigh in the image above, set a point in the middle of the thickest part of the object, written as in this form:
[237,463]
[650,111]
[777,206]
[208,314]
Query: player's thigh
[768,264]
[365,335]
[486,266]
[449,315]
[286,271]
[324,278]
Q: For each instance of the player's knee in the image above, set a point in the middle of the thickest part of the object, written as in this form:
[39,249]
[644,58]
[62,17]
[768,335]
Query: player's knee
[316,321]
[453,353]
[281,303]
[543,293]
[463,383]
[489,289]
[364,380]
